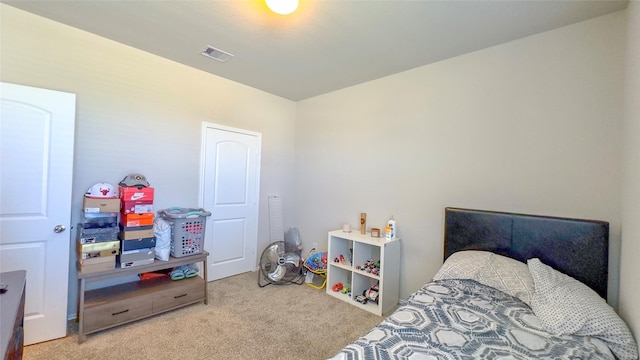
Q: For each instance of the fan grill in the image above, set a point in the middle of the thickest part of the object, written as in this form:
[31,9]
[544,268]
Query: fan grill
[279,265]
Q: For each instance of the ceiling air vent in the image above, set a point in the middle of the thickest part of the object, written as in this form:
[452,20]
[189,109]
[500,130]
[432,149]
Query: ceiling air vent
[216,54]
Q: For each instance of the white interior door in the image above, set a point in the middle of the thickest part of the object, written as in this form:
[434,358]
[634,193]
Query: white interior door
[229,189]
[36,153]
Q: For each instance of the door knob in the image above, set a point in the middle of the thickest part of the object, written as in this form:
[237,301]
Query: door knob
[59,228]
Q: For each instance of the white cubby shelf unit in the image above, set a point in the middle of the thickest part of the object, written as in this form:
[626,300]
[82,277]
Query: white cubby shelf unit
[357,248]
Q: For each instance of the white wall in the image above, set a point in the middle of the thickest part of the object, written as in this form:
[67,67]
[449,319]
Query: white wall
[530,126]
[141,113]
[630,247]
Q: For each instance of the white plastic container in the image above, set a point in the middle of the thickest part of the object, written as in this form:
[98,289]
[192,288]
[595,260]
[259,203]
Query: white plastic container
[392,224]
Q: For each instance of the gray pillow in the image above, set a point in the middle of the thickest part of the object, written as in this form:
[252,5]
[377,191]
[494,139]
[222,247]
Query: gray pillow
[566,306]
[500,272]
[463,265]
[509,276]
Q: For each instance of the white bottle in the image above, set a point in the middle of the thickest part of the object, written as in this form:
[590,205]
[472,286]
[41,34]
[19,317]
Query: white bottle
[392,224]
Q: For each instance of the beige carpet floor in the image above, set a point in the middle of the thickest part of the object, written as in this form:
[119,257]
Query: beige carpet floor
[241,321]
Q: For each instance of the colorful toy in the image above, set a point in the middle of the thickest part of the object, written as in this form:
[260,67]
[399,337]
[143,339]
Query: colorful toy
[340,260]
[370,266]
[316,264]
[317,261]
[361,299]
[372,293]
[337,287]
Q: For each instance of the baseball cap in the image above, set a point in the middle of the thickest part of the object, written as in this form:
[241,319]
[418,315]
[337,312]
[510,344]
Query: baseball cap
[101,190]
[136,180]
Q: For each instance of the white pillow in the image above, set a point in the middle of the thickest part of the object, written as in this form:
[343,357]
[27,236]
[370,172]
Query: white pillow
[507,275]
[500,272]
[566,306]
[463,265]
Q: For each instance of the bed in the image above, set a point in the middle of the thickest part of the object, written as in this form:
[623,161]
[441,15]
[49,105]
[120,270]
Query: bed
[512,286]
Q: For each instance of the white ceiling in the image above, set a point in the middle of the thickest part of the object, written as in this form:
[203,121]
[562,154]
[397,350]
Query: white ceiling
[325,45]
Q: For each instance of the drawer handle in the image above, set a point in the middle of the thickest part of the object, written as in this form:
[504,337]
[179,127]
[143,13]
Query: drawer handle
[120,312]
[179,296]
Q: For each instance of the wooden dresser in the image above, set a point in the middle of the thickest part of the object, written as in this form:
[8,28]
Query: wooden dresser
[12,314]
[111,306]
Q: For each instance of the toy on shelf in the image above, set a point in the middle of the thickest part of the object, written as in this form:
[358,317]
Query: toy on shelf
[342,260]
[337,287]
[372,293]
[370,266]
[346,290]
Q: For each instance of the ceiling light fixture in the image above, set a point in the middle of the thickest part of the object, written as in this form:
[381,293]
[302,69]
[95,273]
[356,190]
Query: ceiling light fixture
[282,7]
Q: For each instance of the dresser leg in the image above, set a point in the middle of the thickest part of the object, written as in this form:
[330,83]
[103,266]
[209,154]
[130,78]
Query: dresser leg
[206,294]
[81,335]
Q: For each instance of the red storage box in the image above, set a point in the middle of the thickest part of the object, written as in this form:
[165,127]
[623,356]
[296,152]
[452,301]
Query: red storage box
[135,194]
[129,220]
[136,207]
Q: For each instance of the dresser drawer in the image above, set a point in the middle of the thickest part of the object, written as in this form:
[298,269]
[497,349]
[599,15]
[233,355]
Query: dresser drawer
[98,317]
[190,291]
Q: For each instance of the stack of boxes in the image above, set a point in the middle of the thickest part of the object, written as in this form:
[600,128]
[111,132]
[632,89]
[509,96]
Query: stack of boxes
[136,225]
[98,245]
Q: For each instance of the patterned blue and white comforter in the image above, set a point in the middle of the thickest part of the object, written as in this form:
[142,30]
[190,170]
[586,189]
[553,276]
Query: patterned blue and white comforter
[463,319]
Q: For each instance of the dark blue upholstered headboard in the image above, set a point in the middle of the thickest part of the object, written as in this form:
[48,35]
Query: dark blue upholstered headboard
[578,248]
